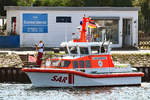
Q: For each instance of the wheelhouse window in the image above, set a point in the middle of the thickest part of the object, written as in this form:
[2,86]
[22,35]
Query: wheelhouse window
[55,62]
[88,63]
[63,19]
[84,50]
[103,49]
[75,64]
[73,50]
[64,63]
[81,64]
[95,49]
[66,50]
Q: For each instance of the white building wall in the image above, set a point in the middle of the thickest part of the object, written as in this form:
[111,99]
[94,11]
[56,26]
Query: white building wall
[135,30]
[57,32]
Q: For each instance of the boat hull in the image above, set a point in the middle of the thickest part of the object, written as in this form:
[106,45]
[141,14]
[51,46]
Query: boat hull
[58,78]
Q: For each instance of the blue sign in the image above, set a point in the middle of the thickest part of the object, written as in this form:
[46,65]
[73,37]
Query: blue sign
[35,23]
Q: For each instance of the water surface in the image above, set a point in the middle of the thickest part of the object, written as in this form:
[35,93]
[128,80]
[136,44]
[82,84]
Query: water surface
[27,92]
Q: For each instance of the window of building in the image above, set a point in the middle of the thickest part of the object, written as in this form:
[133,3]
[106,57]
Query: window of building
[81,64]
[109,33]
[88,63]
[63,19]
[75,64]
[95,49]
[84,50]
[64,63]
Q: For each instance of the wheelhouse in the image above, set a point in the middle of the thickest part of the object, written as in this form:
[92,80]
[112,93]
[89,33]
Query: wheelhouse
[84,55]
[93,48]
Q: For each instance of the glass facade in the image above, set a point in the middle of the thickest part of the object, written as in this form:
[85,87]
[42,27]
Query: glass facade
[106,29]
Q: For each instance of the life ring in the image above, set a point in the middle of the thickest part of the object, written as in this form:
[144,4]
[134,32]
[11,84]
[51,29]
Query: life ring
[100,63]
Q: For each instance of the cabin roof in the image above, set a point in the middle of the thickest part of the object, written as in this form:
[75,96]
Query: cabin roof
[83,44]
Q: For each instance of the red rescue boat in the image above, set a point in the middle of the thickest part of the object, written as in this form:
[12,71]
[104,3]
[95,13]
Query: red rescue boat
[86,64]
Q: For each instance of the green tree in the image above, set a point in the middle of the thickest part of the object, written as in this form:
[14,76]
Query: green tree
[69,3]
[144,15]
[106,2]
[51,3]
[6,3]
[25,2]
[72,3]
[90,3]
[37,3]
[122,3]
[144,5]
[102,3]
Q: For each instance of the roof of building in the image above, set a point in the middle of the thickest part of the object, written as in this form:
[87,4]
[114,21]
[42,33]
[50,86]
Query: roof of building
[72,8]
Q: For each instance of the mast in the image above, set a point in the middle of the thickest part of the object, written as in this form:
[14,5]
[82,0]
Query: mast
[83,31]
